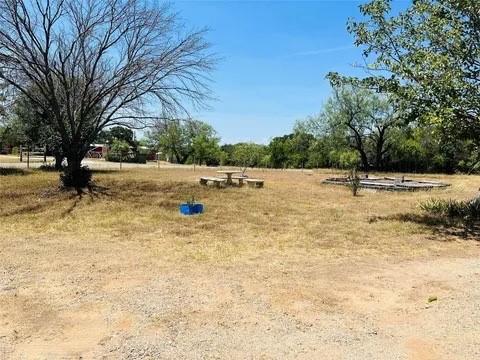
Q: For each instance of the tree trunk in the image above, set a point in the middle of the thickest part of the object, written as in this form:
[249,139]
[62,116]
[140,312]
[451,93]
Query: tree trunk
[358,145]
[381,146]
[58,160]
[379,154]
[449,160]
[74,161]
[364,159]
[73,176]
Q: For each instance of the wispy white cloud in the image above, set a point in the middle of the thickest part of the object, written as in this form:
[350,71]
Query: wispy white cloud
[321,51]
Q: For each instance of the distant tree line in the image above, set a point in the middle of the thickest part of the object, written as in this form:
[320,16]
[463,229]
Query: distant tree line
[356,127]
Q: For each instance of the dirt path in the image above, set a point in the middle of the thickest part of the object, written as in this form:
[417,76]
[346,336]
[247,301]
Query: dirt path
[345,310]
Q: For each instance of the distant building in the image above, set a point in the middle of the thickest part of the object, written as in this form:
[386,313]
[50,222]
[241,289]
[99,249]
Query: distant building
[97,151]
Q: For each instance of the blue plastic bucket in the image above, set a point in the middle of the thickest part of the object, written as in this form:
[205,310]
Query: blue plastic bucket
[191,209]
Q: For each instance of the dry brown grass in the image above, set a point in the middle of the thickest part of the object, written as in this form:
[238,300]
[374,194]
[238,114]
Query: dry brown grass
[123,260]
[293,213]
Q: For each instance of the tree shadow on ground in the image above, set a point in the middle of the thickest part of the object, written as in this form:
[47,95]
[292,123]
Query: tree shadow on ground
[73,205]
[133,193]
[26,209]
[12,171]
[442,226]
[137,194]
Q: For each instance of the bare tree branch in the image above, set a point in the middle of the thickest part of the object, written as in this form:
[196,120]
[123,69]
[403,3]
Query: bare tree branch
[92,64]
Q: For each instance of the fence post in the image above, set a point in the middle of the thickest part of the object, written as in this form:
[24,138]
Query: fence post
[28,157]
[21,153]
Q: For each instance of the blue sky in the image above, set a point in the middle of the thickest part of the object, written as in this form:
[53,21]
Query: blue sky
[274,58]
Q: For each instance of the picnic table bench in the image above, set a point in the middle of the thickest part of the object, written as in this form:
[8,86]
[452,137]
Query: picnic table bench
[240,178]
[255,183]
[229,174]
[204,180]
[227,181]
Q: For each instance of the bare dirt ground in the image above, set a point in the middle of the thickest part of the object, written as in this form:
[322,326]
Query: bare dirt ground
[297,270]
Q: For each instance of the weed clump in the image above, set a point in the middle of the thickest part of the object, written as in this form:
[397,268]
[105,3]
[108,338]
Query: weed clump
[354,181]
[455,209]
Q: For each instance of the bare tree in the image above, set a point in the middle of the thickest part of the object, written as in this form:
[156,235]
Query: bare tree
[3,103]
[96,63]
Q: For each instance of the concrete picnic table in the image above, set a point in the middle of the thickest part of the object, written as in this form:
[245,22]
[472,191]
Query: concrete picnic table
[229,174]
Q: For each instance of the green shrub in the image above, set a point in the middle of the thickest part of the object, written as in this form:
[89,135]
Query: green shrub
[354,181]
[349,159]
[131,158]
[473,208]
[466,210]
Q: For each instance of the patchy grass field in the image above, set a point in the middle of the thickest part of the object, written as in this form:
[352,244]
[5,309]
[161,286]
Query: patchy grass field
[295,270]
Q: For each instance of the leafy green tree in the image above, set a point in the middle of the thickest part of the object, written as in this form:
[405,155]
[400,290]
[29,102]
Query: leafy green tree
[205,145]
[279,149]
[26,124]
[427,55]
[120,151]
[173,141]
[266,160]
[299,146]
[248,155]
[348,159]
[116,133]
[34,125]
[226,156]
[11,134]
[183,141]
[318,152]
[326,141]
[363,120]
[120,148]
